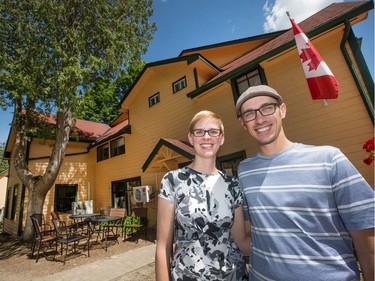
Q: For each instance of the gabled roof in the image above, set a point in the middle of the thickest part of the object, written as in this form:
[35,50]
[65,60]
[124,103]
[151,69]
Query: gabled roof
[328,18]
[223,53]
[167,153]
[117,130]
[188,59]
[88,130]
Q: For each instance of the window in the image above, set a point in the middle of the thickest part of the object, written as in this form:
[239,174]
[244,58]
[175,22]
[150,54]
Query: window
[14,202]
[154,99]
[122,191]
[65,195]
[251,78]
[102,152]
[179,84]
[229,163]
[117,147]
[7,205]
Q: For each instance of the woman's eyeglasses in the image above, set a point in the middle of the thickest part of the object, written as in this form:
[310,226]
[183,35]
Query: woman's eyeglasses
[201,132]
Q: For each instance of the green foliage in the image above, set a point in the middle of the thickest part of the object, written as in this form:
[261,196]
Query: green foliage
[100,104]
[55,53]
[52,53]
[3,163]
[131,220]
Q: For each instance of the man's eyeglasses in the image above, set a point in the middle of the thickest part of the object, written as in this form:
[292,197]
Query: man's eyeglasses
[265,110]
[201,132]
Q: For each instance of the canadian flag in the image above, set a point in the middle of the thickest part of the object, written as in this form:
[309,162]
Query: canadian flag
[322,83]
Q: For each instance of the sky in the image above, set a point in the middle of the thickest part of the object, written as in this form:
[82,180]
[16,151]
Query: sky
[186,24]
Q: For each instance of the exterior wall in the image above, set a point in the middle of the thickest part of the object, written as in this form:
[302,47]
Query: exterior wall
[344,123]
[3,189]
[74,170]
[11,225]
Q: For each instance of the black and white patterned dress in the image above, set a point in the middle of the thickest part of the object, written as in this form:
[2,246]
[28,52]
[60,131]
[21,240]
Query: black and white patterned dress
[204,212]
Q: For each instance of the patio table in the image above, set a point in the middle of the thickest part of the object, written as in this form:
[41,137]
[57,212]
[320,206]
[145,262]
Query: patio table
[84,216]
[105,228]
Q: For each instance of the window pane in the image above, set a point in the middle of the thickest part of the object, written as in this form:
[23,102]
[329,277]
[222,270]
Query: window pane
[230,165]
[251,78]
[179,85]
[154,99]
[14,202]
[122,193]
[65,195]
[117,147]
[102,152]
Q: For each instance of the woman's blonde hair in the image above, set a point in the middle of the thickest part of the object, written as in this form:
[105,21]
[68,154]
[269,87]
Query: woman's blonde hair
[203,115]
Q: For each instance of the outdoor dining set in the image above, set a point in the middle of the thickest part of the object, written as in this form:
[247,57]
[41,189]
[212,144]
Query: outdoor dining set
[84,228]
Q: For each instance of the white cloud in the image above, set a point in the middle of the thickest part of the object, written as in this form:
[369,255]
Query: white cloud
[275,12]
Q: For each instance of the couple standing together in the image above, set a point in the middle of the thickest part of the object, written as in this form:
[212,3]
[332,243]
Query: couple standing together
[304,206]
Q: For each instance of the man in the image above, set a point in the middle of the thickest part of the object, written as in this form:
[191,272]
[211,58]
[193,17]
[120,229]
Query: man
[307,205]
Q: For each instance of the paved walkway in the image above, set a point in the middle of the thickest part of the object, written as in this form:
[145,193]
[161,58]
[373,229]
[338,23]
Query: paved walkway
[107,269]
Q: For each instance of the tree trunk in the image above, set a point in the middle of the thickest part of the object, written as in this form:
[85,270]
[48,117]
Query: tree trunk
[35,206]
[38,186]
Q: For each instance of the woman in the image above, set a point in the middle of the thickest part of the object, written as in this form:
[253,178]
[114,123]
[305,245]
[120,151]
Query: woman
[200,209]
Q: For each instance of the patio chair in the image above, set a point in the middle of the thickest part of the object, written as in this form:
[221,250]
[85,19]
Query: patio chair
[40,238]
[140,214]
[45,227]
[55,216]
[116,226]
[66,235]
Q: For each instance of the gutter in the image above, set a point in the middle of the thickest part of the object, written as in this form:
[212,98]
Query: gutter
[368,99]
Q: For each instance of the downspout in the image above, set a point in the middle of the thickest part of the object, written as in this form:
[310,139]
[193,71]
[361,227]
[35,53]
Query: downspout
[366,98]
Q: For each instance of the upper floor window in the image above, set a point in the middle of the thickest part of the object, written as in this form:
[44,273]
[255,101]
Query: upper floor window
[179,84]
[117,147]
[102,152]
[251,78]
[154,99]
[65,195]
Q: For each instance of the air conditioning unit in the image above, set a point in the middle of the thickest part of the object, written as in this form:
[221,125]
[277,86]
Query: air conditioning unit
[142,193]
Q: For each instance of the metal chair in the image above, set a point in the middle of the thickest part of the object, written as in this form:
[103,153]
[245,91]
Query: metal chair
[140,214]
[117,225]
[40,238]
[45,227]
[66,235]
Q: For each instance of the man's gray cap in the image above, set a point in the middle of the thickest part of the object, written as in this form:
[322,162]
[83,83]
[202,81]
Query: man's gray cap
[255,91]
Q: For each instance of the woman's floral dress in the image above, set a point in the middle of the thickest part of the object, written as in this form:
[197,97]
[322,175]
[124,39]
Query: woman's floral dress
[204,212]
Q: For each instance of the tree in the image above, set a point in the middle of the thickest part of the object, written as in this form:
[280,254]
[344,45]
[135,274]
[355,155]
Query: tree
[3,163]
[51,52]
[99,103]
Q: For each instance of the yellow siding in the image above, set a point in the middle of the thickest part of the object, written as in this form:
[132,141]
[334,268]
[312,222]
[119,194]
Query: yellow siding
[344,123]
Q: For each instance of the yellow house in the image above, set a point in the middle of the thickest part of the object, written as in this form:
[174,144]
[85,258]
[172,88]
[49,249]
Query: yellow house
[3,188]
[150,136]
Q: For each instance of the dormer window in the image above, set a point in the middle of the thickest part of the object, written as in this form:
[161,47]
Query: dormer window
[251,78]
[154,99]
[179,84]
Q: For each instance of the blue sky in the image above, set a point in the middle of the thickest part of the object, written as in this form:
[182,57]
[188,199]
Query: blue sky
[185,24]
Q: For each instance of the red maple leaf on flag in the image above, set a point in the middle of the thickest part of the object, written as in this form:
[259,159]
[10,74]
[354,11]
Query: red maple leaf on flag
[309,54]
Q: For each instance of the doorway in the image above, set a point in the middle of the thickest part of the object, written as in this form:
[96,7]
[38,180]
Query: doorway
[121,193]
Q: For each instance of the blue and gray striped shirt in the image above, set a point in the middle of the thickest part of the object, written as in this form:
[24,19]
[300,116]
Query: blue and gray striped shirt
[301,203]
